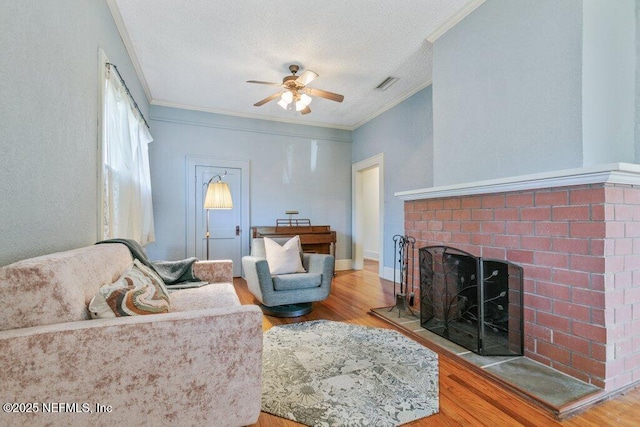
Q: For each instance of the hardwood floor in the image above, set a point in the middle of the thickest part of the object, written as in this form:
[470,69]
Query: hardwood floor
[466,398]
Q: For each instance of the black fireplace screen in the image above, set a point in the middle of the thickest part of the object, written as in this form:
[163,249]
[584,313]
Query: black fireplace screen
[474,302]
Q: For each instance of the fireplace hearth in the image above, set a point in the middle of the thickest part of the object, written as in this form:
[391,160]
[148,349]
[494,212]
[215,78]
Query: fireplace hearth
[475,302]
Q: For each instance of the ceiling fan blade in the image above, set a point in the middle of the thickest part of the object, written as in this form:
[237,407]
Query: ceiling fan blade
[306,77]
[264,83]
[267,99]
[324,94]
[306,110]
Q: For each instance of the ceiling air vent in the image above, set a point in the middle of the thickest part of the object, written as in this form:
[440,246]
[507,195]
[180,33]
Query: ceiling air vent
[386,83]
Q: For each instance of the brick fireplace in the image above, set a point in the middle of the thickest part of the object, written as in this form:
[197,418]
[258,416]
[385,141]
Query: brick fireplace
[576,234]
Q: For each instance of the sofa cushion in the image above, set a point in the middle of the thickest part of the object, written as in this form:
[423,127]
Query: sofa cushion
[214,295]
[57,288]
[288,282]
[284,259]
[138,291]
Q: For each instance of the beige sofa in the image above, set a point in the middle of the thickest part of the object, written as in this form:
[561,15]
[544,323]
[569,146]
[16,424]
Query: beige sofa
[200,364]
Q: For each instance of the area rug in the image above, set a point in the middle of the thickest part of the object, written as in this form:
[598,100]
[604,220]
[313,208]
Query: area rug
[325,373]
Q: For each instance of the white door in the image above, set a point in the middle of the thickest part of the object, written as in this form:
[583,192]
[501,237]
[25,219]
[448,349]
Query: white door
[227,228]
[224,224]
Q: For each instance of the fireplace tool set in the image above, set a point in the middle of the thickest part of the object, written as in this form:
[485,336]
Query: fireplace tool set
[403,256]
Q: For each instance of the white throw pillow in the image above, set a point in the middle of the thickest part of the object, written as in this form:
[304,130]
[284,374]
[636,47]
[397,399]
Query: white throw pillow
[284,259]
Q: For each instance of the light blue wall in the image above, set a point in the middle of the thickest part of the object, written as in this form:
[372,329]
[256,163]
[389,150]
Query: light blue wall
[507,91]
[608,74]
[507,79]
[637,81]
[284,175]
[405,135]
[48,122]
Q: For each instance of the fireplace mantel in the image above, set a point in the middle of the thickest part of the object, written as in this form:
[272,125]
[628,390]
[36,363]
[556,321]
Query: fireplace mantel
[614,173]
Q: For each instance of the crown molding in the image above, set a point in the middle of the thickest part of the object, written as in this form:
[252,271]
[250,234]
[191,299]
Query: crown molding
[391,104]
[367,119]
[614,173]
[126,40]
[159,117]
[247,115]
[454,20]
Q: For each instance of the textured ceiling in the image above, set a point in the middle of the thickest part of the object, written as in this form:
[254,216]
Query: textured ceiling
[198,54]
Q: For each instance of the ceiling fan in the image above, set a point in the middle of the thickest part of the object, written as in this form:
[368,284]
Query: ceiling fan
[296,94]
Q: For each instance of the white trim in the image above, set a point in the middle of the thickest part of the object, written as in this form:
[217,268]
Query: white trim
[102,78]
[247,115]
[454,20]
[343,264]
[357,246]
[614,173]
[126,40]
[384,108]
[391,104]
[387,273]
[372,255]
[155,116]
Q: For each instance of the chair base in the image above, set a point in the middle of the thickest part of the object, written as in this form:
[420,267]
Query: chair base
[288,310]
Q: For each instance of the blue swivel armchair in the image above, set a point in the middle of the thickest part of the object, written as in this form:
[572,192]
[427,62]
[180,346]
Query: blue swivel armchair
[287,295]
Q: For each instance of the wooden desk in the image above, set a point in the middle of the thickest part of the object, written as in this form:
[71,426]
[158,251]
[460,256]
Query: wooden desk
[313,238]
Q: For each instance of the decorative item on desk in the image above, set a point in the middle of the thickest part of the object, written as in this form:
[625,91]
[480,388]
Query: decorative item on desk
[292,222]
[218,197]
[291,213]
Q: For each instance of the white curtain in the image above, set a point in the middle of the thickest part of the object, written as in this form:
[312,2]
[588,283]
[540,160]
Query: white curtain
[127,205]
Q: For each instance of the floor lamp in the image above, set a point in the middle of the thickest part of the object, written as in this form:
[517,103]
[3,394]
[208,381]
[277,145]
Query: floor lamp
[218,197]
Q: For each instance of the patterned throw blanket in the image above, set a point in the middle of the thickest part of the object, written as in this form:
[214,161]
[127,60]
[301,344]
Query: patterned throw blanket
[171,272]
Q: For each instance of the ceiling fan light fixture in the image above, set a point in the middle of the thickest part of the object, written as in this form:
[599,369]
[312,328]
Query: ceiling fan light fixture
[303,102]
[287,97]
[296,95]
[285,100]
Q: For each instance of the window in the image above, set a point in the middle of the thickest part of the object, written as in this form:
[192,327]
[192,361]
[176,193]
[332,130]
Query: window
[127,210]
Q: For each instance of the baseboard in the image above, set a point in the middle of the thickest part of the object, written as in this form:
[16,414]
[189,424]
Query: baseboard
[343,264]
[347,264]
[373,255]
[387,273]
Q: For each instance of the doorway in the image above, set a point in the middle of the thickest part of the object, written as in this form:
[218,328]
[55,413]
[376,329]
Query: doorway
[368,194]
[371,214]
[229,236]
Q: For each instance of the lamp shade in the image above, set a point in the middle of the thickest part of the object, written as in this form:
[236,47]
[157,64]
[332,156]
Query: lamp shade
[218,196]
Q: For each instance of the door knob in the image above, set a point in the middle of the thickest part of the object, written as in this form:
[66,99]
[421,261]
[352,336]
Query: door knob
[237,230]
